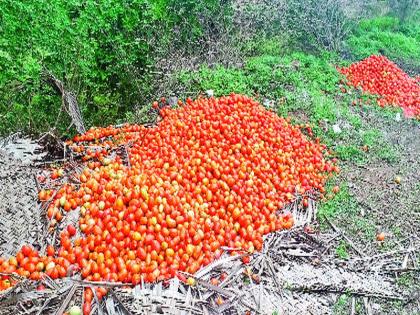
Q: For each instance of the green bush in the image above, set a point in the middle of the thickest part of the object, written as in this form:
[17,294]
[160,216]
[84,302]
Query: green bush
[384,23]
[403,9]
[319,24]
[102,51]
[91,48]
[302,81]
[386,35]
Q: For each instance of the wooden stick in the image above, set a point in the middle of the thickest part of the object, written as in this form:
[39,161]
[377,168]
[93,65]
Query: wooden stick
[336,229]
[37,183]
[353,306]
[66,300]
[400,251]
[344,290]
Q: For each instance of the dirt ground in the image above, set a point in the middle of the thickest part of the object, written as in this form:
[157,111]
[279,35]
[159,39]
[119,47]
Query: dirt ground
[380,204]
[393,208]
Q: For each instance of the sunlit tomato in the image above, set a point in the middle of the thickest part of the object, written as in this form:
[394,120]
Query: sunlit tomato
[380,237]
[214,281]
[43,195]
[50,250]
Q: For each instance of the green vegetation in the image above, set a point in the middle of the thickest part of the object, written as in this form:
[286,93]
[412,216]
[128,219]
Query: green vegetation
[106,54]
[387,35]
[343,207]
[341,203]
[407,280]
[79,44]
[341,250]
[378,147]
[298,81]
[103,52]
[349,153]
[342,305]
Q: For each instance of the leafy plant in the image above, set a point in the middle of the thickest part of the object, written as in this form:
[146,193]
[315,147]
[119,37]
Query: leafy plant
[341,250]
[342,202]
[403,8]
[103,52]
[319,24]
[388,36]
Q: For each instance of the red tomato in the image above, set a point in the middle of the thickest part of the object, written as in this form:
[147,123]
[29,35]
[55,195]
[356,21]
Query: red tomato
[26,250]
[213,172]
[380,76]
[71,230]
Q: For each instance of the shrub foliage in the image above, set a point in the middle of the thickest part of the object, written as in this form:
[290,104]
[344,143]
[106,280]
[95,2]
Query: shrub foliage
[117,56]
[102,51]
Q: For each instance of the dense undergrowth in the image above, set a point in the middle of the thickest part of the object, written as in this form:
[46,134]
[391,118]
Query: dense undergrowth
[104,53]
[388,36]
[108,56]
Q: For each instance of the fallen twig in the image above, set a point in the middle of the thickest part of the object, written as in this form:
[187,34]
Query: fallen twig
[347,291]
[66,300]
[400,251]
[336,229]
[105,284]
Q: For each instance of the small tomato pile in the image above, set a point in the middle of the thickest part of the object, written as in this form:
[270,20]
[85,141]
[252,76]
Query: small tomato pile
[378,75]
[213,172]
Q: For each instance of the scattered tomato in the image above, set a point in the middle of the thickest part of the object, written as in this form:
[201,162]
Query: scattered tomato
[214,281]
[380,237]
[246,259]
[191,281]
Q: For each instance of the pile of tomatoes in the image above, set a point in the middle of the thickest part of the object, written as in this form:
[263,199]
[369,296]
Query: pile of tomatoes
[378,75]
[214,172]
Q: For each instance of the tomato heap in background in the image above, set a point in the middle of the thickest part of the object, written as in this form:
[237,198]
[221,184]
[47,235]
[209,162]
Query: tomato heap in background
[214,172]
[378,75]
